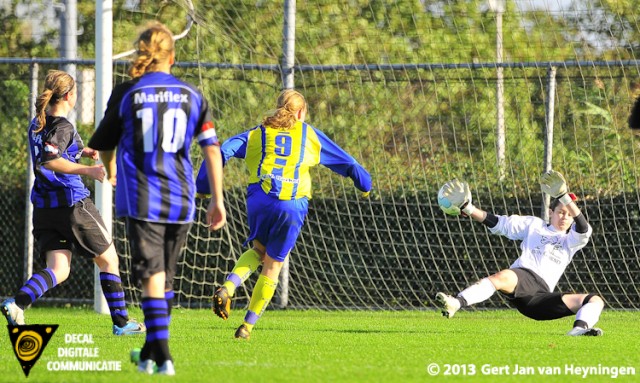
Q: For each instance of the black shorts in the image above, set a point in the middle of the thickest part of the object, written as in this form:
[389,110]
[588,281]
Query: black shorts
[532,297]
[155,247]
[77,228]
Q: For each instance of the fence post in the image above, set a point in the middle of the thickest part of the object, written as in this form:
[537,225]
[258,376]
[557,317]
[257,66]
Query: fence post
[288,61]
[68,13]
[498,7]
[288,43]
[548,133]
[28,222]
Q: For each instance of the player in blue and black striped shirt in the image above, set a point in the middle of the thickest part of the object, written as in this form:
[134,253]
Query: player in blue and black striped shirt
[64,217]
[152,120]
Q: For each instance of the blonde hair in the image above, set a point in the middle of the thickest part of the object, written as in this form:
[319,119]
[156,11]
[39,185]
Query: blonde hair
[56,85]
[154,46]
[290,102]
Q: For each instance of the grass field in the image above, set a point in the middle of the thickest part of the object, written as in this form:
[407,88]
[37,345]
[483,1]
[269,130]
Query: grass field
[358,346]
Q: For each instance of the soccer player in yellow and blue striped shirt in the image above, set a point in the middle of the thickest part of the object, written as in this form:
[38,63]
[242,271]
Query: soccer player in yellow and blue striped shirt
[278,154]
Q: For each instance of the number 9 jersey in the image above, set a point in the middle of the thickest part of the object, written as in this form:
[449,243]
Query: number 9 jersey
[152,120]
[279,160]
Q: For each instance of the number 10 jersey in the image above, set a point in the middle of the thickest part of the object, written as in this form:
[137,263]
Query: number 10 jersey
[152,121]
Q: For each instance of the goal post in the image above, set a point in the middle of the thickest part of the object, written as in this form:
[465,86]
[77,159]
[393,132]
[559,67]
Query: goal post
[288,62]
[104,81]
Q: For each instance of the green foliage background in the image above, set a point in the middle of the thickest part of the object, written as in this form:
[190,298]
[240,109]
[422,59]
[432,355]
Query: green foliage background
[416,127]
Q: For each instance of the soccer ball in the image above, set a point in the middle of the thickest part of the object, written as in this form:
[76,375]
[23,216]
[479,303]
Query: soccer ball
[444,203]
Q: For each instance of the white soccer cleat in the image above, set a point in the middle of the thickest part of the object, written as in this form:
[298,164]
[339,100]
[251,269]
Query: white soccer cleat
[147,366]
[13,313]
[167,369]
[579,331]
[447,304]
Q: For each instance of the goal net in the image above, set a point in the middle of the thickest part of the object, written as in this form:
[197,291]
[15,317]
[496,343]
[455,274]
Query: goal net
[417,92]
[411,92]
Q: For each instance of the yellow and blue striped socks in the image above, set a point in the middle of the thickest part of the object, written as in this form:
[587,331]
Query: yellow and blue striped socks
[246,265]
[262,293]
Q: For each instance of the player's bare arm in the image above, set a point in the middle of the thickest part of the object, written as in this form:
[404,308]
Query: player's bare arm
[90,153]
[216,213]
[61,165]
[108,158]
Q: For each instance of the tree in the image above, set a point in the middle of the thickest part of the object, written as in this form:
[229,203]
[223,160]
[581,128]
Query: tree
[414,124]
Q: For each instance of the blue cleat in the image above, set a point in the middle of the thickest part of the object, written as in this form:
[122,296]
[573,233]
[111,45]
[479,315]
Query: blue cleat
[13,313]
[131,328]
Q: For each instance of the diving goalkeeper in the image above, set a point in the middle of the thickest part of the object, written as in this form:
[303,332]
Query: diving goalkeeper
[547,249]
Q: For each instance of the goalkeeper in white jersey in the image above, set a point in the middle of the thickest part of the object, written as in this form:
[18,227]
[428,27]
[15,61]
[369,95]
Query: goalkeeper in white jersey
[547,250]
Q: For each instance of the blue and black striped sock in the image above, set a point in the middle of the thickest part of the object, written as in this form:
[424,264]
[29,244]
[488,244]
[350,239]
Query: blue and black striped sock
[157,339]
[168,296]
[36,286]
[112,290]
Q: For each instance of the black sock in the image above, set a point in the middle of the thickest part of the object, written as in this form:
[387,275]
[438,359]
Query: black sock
[157,338]
[169,295]
[147,351]
[581,324]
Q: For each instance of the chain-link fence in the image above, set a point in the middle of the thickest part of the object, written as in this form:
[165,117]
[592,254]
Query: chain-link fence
[413,127]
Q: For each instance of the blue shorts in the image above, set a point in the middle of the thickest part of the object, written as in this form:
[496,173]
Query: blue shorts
[273,222]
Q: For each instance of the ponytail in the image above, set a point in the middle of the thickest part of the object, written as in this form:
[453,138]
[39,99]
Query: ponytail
[154,46]
[290,102]
[41,105]
[56,85]
[281,118]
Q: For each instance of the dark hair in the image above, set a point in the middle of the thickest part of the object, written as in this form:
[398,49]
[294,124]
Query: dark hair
[554,203]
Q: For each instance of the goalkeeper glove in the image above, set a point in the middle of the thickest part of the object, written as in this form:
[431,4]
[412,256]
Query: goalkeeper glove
[553,183]
[454,198]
